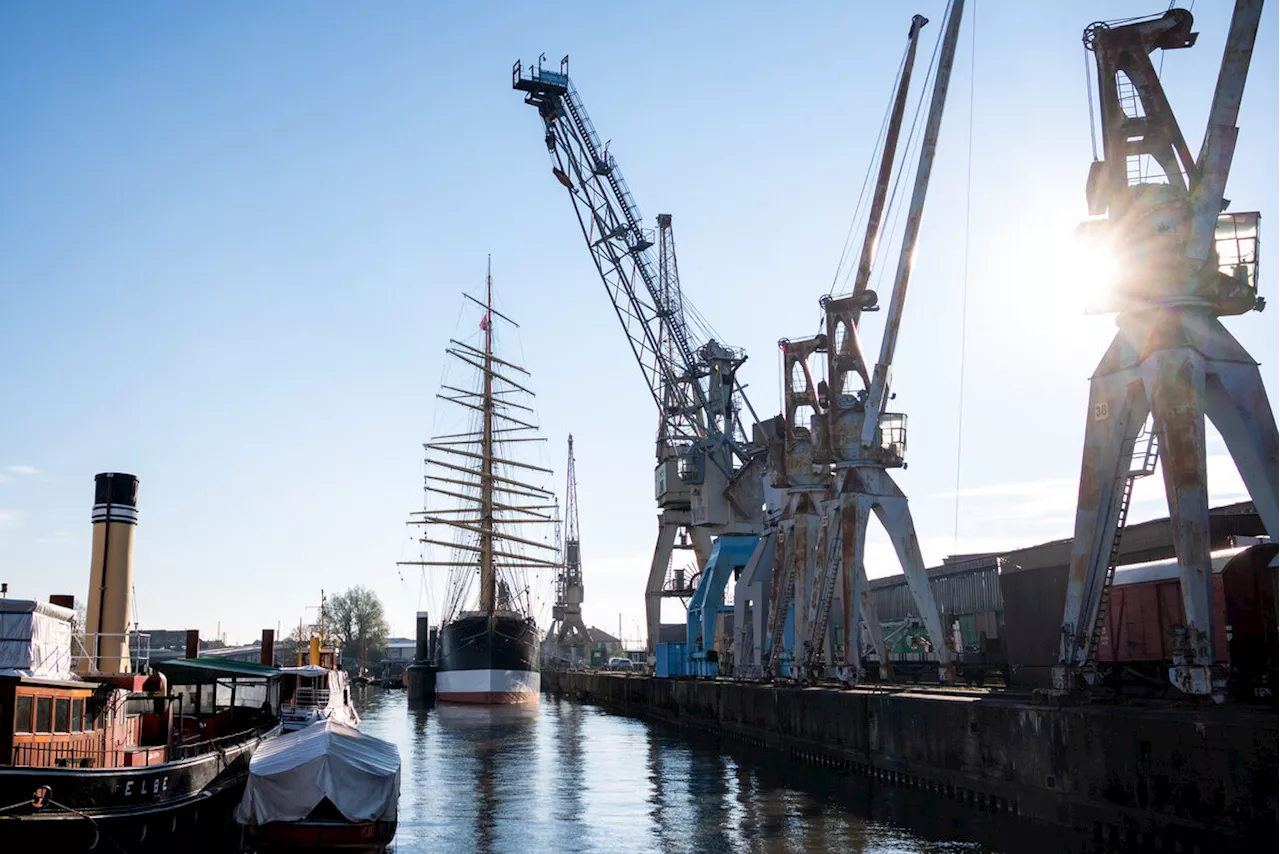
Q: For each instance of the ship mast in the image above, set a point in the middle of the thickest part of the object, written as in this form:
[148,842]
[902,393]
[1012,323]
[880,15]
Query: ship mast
[488,584]
[483,497]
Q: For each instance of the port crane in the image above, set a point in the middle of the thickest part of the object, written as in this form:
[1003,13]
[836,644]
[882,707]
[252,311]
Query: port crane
[1183,263]
[836,441]
[708,480]
[568,634]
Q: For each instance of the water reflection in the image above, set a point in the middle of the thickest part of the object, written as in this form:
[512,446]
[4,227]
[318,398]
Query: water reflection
[560,776]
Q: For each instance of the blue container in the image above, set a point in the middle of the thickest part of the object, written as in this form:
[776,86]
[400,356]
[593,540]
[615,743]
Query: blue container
[662,661]
[670,660]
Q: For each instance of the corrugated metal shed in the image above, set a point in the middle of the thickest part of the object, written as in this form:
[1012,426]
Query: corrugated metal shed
[968,587]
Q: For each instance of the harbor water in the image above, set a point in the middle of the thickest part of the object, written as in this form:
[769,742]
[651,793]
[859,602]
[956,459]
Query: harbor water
[563,776]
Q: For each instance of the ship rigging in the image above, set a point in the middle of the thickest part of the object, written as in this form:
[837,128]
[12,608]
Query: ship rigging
[480,521]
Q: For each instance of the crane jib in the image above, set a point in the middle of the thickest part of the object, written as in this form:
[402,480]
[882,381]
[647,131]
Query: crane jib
[674,365]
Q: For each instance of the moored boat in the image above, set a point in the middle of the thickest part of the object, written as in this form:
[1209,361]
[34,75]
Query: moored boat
[94,752]
[326,787]
[313,693]
[480,495]
[488,658]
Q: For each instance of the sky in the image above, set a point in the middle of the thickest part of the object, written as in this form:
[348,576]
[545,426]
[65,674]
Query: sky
[235,238]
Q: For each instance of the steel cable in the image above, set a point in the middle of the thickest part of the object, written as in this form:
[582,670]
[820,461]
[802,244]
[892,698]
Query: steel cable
[964,287]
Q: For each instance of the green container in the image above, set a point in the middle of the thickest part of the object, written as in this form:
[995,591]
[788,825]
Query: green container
[597,657]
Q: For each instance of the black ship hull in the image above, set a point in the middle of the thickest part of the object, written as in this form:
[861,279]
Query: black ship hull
[488,659]
[185,803]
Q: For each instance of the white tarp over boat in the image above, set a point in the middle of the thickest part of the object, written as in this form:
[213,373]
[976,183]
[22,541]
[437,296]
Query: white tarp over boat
[292,773]
[35,639]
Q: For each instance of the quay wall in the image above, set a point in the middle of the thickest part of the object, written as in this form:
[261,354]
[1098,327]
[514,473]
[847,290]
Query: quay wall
[1169,778]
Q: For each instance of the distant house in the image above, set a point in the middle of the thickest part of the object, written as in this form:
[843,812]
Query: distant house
[249,652]
[176,639]
[603,641]
[168,644]
[399,649]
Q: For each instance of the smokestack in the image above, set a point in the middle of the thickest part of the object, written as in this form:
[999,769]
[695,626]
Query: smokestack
[420,652]
[268,647]
[193,643]
[115,515]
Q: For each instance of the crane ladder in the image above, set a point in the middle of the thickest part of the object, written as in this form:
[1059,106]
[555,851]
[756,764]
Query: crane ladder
[827,588]
[1146,465]
[746,638]
[778,615]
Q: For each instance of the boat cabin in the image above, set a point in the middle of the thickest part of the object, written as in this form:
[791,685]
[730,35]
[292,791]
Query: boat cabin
[216,701]
[51,716]
[54,722]
[87,724]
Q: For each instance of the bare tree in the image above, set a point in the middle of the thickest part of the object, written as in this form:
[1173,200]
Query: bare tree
[356,621]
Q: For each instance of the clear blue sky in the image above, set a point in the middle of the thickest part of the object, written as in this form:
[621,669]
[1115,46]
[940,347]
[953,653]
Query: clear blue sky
[234,235]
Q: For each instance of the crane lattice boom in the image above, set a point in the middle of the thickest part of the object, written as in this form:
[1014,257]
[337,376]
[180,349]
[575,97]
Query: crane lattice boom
[686,378]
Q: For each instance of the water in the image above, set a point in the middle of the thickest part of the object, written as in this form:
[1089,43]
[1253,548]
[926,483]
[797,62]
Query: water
[563,776]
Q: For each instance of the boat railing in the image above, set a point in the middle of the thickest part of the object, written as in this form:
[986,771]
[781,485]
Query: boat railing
[199,748]
[86,649]
[73,754]
[60,754]
[311,697]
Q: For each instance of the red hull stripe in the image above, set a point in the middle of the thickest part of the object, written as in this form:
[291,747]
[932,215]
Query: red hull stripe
[487,696]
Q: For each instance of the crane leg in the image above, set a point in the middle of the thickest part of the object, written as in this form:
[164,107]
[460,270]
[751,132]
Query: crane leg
[805,542]
[1117,411]
[750,604]
[797,532]
[701,542]
[1175,381]
[668,524]
[779,594]
[1236,402]
[854,515]
[822,566]
[872,620]
[893,511]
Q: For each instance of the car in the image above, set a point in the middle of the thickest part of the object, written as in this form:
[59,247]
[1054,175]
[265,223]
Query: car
[623,664]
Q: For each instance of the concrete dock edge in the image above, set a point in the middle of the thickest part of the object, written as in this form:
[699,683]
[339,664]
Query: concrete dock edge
[1169,778]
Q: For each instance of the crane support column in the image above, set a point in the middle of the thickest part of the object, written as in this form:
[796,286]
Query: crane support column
[859,606]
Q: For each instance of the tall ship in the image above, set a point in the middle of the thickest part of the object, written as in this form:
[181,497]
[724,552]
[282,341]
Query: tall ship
[488,522]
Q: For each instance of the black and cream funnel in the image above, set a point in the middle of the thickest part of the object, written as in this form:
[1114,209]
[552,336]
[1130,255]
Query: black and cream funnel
[115,516]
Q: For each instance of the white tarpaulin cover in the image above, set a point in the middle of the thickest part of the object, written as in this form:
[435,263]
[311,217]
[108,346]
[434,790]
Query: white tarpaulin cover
[35,639]
[292,773]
